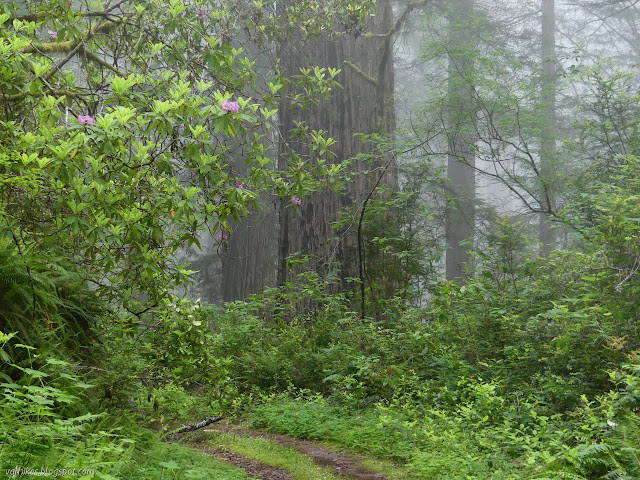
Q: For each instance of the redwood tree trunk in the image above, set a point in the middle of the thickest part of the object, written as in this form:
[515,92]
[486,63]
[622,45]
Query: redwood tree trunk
[460,211]
[547,141]
[360,107]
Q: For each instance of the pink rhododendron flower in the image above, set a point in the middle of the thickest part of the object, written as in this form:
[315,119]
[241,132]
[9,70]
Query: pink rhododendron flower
[229,106]
[52,33]
[201,15]
[239,185]
[86,120]
[296,201]
[223,236]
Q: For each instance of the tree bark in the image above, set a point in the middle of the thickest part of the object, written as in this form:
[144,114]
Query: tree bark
[363,105]
[249,261]
[460,211]
[547,140]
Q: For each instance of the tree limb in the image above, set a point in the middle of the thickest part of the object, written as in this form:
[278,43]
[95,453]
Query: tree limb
[195,426]
[368,78]
[34,17]
[96,59]
[68,45]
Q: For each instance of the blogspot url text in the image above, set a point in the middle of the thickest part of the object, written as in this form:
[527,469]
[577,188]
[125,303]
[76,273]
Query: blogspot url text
[49,472]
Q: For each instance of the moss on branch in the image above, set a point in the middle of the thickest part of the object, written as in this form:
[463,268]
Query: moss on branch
[106,13]
[96,59]
[76,46]
[368,78]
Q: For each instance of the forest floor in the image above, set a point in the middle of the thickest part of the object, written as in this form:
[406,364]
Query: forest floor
[341,463]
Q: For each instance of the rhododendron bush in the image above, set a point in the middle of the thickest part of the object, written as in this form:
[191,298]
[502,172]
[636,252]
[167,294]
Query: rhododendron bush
[118,120]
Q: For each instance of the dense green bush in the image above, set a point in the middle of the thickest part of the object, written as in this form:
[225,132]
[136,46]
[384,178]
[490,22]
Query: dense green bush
[516,373]
[46,421]
[46,302]
[164,366]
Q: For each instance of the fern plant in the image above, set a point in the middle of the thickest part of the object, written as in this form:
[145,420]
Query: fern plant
[44,302]
[623,452]
[45,419]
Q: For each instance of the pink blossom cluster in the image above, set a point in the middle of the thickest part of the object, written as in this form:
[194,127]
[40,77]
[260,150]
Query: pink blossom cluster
[229,106]
[86,120]
[201,15]
[296,201]
[239,185]
[52,34]
[223,236]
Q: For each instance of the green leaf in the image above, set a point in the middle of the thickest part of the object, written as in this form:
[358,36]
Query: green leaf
[170,465]
[35,373]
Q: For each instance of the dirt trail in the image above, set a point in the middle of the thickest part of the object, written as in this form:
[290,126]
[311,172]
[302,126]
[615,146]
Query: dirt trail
[342,463]
[252,467]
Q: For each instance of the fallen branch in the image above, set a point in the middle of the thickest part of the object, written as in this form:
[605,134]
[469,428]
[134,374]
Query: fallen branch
[195,426]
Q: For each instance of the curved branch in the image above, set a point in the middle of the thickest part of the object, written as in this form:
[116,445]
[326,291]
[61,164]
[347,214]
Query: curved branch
[68,45]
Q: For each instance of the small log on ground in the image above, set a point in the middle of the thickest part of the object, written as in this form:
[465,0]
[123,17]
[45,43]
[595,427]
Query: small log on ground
[194,426]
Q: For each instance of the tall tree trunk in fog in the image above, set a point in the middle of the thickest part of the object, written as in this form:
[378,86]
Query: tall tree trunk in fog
[460,212]
[547,140]
[362,106]
[248,265]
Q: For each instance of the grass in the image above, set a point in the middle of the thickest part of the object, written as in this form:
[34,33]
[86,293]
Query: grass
[298,465]
[426,447]
[385,467]
[171,461]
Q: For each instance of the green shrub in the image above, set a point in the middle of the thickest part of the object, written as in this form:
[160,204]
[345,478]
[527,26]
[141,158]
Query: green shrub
[45,421]
[165,365]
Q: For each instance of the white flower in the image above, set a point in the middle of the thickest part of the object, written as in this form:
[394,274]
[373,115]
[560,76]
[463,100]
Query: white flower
[612,424]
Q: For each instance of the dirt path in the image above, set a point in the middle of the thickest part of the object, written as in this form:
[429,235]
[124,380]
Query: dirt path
[252,467]
[342,463]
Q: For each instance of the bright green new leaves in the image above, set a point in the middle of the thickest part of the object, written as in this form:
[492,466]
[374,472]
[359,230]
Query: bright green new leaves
[115,151]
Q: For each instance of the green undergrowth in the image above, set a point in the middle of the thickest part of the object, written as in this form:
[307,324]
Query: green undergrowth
[50,419]
[165,461]
[433,444]
[431,448]
[300,466]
